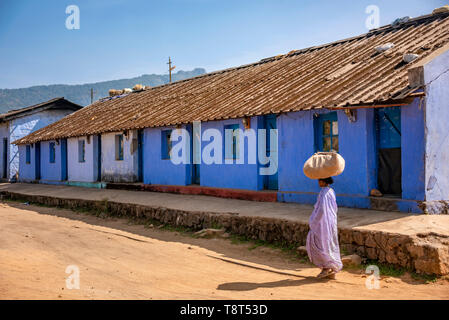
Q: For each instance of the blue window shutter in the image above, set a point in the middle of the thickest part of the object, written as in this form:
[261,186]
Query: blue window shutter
[169,144]
[235,142]
[84,150]
[28,154]
[119,147]
[326,132]
[52,152]
[116,148]
[163,145]
[81,150]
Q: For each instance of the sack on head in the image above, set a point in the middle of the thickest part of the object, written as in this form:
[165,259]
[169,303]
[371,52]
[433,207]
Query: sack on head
[324,165]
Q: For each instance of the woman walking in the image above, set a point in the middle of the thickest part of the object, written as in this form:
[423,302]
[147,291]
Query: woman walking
[322,240]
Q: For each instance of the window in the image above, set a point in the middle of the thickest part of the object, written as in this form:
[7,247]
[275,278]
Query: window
[166,144]
[119,147]
[233,151]
[81,150]
[52,152]
[327,132]
[28,154]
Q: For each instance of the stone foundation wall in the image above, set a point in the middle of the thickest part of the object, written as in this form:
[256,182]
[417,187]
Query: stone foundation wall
[424,253]
[435,207]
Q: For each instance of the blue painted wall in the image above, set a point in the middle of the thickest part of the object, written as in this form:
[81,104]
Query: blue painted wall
[413,152]
[27,171]
[296,145]
[357,148]
[356,145]
[157,170]
[237,176]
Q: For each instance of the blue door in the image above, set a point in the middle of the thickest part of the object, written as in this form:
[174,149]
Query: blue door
[389,168]
[195,175]
[64,166]
[37,159]
[271,181]
[140,155]
[389,124]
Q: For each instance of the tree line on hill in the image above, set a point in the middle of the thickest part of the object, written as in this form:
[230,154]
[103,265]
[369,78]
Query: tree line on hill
[81,94]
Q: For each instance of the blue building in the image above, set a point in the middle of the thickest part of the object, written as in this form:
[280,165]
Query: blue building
[384,110]
[16,124]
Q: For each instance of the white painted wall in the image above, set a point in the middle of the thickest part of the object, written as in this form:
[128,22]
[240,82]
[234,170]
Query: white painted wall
[82,171]
[436,76]
[125,170]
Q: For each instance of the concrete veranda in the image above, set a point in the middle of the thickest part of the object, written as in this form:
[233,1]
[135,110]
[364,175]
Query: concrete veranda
[359,219]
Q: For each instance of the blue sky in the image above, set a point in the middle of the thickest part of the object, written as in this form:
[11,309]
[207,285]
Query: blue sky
[122,39]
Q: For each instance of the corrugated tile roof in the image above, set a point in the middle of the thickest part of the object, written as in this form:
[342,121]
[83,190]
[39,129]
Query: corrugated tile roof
[341,73]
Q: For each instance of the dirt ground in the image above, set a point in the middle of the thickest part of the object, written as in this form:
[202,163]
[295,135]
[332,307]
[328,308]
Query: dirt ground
[120,260]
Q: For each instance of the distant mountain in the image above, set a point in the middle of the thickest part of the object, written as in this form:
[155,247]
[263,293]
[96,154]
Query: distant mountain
[80,94]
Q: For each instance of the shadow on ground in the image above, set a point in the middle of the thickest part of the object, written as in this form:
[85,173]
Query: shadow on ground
[272,258]
[243,252]
[248,286]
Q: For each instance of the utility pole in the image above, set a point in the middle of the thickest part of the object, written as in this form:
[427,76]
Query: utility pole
[92,95]
[170,68]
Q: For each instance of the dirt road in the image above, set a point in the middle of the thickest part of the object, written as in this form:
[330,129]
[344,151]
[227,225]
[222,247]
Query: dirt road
[118,260]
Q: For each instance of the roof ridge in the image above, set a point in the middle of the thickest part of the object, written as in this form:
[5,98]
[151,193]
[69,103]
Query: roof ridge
[33,105]
[388,27]
[13,112]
